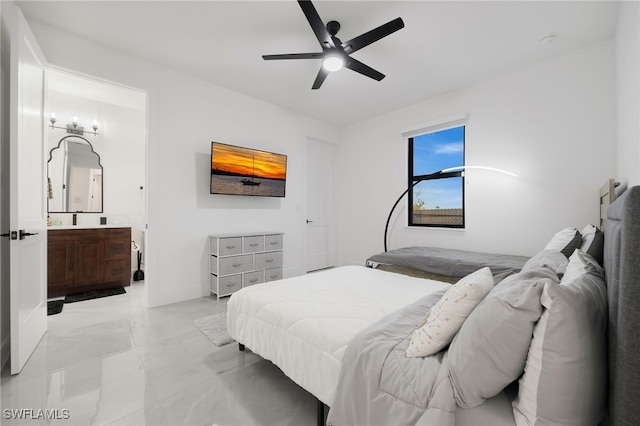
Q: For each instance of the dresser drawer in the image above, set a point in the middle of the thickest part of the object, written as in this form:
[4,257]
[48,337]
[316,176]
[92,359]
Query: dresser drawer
[224,286]
[226,246]
[272,274]
[235,264]
[253,244]
[268,260]
[251,278]
[273,242]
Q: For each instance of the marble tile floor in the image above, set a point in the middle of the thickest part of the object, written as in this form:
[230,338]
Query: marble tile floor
[110,361]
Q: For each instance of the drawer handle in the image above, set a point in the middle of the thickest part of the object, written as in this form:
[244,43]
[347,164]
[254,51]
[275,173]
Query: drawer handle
[269,260]
[273,277]
[230,247]
[255,280]
[253,245]
[230,285]
[235,265]
[274,243]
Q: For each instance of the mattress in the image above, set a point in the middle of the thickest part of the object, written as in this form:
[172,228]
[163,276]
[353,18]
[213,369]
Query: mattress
[304,324]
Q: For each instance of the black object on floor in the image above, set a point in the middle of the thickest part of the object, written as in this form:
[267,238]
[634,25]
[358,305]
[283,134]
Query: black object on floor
[54,306]
[139,274]
[79,297]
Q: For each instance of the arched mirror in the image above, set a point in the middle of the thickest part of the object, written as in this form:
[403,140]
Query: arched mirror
[74,177]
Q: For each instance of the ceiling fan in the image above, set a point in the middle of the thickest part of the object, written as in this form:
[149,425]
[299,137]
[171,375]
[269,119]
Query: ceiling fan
[335,53]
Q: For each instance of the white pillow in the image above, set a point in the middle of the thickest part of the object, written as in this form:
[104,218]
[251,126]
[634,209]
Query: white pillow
[581,263]
[575,268]
[445,318]
[565,241]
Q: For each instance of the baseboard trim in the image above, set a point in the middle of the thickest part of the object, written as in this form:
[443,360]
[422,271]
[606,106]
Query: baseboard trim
[175,296]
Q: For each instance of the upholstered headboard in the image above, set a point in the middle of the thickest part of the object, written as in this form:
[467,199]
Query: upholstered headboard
[622,267]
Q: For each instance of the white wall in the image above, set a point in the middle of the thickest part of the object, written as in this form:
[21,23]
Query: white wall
[185,114]
[552,123]
[121,145]
[628,93]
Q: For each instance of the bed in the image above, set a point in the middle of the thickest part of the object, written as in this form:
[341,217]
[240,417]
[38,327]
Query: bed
[448,265]
[301,322]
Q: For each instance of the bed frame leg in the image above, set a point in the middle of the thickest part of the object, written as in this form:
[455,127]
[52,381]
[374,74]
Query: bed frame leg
[320,411]
[240,347]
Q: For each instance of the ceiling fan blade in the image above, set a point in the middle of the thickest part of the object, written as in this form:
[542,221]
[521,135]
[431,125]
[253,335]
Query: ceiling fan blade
[293,56]
[363,69]
[374,35]
[316,23]
[322,75]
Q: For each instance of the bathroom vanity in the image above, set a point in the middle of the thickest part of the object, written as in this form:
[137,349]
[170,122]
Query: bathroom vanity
[82,258]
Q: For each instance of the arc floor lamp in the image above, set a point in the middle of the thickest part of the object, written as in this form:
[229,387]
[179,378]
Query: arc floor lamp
[445,173]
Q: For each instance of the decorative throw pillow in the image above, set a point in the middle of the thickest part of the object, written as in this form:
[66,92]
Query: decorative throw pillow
[565,378]
[565,241]
[445,318]
[593,242]
[490,350]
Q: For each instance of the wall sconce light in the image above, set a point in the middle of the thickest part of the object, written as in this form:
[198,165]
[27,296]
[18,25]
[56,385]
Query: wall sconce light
[73,127]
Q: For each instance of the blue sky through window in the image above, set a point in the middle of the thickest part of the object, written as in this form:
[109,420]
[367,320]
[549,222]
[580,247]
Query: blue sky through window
[433,152]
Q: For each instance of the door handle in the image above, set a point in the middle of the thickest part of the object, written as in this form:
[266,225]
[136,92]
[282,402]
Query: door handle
[13,235]
[24,234]
[309,221]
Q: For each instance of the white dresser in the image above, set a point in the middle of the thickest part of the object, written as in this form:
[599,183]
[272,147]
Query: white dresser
[241,260]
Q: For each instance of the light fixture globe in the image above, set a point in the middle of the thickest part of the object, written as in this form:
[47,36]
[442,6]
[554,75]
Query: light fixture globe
[333,63]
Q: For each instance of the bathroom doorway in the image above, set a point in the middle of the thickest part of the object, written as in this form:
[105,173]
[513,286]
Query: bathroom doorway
[109,120]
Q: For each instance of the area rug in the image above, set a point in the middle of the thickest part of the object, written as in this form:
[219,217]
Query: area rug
[215,328]
[87,295]
[54,306]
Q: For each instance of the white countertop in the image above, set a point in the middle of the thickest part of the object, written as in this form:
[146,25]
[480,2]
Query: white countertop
[110,225]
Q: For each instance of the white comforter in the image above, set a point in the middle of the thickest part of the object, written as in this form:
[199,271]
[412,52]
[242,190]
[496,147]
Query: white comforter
[304,324]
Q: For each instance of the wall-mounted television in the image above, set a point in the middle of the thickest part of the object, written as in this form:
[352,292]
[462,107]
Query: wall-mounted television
[245,171]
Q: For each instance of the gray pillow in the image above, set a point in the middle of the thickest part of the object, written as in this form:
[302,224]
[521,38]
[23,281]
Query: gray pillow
[593,242]
[565,378]
[490,350]
[552,259]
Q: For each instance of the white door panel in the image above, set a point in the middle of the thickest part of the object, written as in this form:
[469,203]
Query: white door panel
[27,212]
[319,242]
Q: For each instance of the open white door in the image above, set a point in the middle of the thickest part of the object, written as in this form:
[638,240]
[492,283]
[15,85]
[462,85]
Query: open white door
[319,235]
[27,216]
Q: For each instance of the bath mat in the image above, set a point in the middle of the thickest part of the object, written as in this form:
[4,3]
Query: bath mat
[215,328]
[87,295]
[54,306]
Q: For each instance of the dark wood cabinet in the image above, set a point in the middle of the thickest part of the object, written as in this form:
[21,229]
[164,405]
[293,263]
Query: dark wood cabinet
[59,266]
[87,259]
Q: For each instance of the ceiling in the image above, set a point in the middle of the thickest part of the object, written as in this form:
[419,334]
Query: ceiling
[444,45]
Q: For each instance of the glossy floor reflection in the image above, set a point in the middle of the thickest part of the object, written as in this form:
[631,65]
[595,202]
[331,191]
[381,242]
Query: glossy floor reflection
[111,362]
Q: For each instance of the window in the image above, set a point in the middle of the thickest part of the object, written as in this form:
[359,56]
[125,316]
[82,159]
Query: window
[436,198]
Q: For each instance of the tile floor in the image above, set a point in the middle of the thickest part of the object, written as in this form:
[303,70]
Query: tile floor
[111,362]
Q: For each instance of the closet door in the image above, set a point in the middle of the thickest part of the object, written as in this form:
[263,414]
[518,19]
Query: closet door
[319,230]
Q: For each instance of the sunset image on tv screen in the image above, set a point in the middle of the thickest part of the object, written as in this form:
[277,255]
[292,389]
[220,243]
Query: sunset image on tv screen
[244,171]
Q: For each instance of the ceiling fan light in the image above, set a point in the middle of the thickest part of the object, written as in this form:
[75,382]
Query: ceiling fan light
[333,63]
